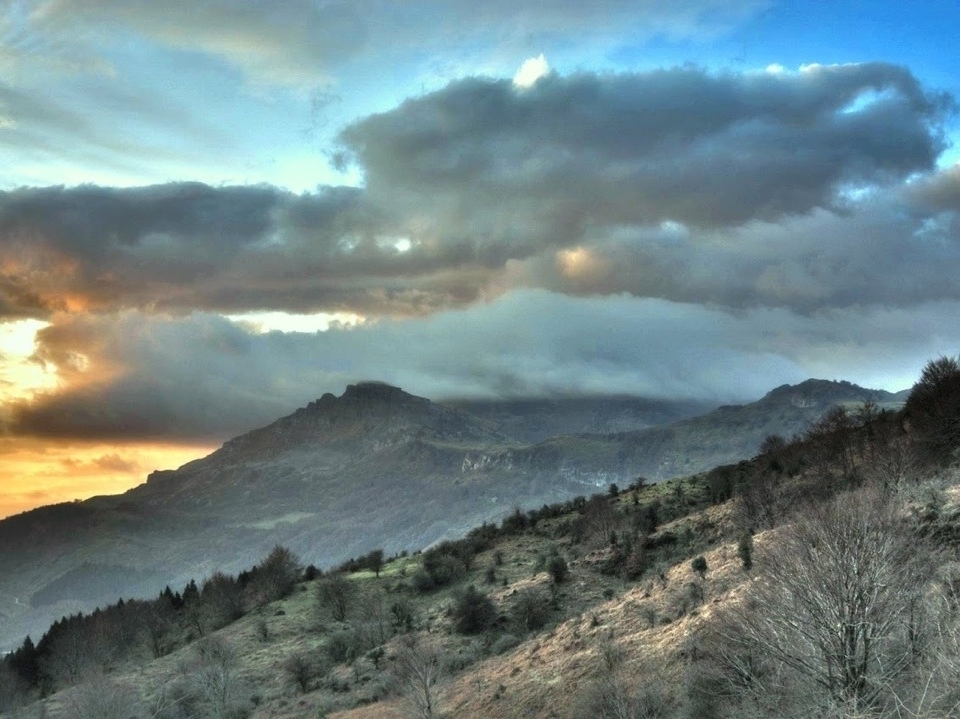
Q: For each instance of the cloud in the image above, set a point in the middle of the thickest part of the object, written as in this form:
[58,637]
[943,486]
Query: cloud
[675,233]
[765,189]
[531,70]
[111,463]
[147,377]
[741,189]
[306,43]
[678,145]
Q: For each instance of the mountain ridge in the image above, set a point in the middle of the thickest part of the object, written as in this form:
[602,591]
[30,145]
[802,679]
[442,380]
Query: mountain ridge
[375,467]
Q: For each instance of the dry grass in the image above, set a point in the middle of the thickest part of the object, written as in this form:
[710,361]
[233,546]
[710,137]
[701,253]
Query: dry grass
[649,626]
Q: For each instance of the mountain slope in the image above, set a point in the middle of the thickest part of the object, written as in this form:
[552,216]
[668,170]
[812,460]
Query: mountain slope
[376,467]
[535,420]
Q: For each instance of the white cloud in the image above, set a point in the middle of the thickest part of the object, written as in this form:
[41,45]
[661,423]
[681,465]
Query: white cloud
[530,71]
[202,376]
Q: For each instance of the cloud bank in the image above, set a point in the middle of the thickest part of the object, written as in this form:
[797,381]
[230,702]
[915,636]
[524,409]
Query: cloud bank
[669,233]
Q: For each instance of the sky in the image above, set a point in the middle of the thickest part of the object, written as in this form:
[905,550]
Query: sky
[212,212]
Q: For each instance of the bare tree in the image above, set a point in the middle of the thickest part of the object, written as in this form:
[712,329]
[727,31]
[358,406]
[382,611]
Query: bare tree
[70,653]
[614,695]
[14,691]
[335,594]
[213,674]
[300,670]
[836,608]
[221,600]
[418,670]
[103,698]
[892,462]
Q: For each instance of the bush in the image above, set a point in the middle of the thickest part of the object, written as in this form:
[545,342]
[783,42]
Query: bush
[531,610]
[473,611]
[558,569]
[345,645]
[422,582]
[699,565]
[443,569]
[401,615]
[745,551]
[504,643]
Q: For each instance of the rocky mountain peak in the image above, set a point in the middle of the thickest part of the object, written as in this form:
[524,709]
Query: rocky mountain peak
[823,393]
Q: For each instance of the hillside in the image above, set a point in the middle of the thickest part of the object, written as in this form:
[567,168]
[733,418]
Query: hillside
[607,606]
[376,467]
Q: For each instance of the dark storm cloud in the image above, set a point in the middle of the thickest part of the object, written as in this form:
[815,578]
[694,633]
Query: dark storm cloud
[178,246]
[675,184]
[520,166]
[200,376]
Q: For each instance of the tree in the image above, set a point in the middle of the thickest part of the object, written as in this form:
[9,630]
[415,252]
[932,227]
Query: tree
[836,606]
[156,624]
[14,690]
[335,594]
[221,602]
[374,561]
[599,518]
[66,652]
[276,576]
[557,568]
[213,673]
[745,551]
[300,670]
[103,698]
[473,611]
[933,409]
[419,670]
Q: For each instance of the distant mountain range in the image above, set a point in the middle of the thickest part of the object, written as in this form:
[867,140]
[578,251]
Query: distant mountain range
[374,468]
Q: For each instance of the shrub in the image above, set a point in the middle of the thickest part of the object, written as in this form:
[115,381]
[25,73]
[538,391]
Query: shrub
[635,564]
[422,582]
[401,615]
[473,611]
[504,643]
[699,565]
[531,610]
[557,567]
[745,551]
[345,645]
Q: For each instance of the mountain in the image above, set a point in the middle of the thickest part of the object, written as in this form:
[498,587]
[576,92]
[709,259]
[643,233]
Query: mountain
[374,468]
[535,420]
[734,432]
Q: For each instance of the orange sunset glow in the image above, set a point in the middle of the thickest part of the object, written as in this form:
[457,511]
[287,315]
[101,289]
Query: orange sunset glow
[35,472]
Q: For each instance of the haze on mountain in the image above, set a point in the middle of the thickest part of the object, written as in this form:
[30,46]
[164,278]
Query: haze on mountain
[374,468]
